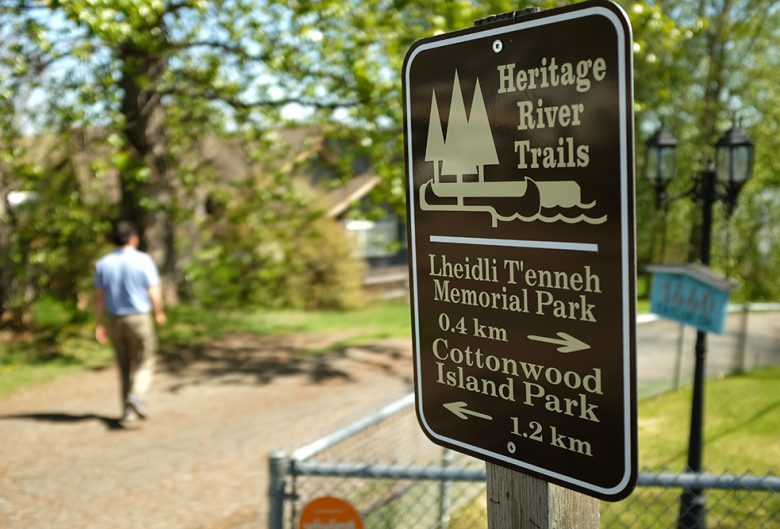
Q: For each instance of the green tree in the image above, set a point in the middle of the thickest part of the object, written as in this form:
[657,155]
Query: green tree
[151,80]
[159,76]
[697,65]
[366,42]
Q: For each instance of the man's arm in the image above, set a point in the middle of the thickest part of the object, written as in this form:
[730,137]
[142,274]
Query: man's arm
[100,311]
[155,296]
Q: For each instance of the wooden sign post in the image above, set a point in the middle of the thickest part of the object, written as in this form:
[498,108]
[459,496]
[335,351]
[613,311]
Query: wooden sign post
[519,163]
[519,501]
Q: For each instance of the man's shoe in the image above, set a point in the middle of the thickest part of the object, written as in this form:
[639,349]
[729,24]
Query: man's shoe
[129,417]
[135,405]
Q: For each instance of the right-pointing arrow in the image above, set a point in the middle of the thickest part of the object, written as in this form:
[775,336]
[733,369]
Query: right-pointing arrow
[567,342]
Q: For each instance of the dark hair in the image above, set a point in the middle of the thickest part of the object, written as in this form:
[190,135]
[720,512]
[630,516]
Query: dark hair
[123,232]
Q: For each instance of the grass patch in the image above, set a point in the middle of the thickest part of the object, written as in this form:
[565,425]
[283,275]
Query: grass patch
[741,429]
[35,359]
[62,348]
[643,306]
[378,321]
[741,425]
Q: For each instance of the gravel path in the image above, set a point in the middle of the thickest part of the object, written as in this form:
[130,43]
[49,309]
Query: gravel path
[200,461]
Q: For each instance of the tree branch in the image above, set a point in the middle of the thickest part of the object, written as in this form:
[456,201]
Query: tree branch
[175,6]
[305,102]
[759,29]
[222,46]
[242,104]
[204,89]
[21,5]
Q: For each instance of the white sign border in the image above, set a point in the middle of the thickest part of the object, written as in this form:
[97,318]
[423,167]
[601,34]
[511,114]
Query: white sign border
[622,37]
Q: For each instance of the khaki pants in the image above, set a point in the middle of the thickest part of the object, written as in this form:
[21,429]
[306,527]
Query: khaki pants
[135,343]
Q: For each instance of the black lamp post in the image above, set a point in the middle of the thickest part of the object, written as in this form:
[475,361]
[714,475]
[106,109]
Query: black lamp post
[734,153]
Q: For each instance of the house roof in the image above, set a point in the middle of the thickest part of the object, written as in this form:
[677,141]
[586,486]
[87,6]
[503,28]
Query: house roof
[338,200]
[300,149]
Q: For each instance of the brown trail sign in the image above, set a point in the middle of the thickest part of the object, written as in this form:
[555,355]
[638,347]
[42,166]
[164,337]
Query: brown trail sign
[519,139]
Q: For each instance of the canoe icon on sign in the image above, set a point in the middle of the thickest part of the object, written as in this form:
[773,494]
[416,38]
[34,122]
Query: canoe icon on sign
[465,151]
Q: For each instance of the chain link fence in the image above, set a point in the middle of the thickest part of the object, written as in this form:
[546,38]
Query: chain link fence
[397,479]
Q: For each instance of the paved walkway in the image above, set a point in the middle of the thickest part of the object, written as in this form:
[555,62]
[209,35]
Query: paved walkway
[662,350]
[200,462]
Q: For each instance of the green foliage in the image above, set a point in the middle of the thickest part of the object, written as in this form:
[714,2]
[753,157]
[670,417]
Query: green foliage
[359,46]
[311,269]
[52,241]
[157,78]
[264,244]
[696,65]
[324,272]
[49,312]
[241,259]
[56,346]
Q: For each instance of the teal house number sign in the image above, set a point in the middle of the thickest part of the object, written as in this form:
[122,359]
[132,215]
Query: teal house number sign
[691,294]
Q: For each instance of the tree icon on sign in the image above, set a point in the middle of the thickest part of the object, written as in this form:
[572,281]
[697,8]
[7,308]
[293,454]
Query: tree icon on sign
[469,145]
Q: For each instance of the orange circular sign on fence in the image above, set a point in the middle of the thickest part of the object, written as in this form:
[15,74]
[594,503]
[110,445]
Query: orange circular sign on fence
[329,513]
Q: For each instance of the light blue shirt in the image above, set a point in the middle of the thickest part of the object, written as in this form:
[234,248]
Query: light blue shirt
[125,275]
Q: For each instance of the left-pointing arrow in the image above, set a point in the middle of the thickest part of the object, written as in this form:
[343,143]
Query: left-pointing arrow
[459,409]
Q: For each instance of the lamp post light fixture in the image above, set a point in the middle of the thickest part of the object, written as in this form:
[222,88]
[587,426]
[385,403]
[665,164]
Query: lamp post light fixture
[661,162]
[734,159]
[660,167]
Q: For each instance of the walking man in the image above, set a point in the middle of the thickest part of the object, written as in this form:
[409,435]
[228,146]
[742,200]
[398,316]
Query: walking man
[127,290]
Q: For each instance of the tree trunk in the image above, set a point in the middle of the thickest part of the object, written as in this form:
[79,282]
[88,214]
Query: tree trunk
[148,202]
[4,237]
[717,38]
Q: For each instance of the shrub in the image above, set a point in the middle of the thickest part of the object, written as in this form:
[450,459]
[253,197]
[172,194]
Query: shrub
[298,261]
[325,274]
